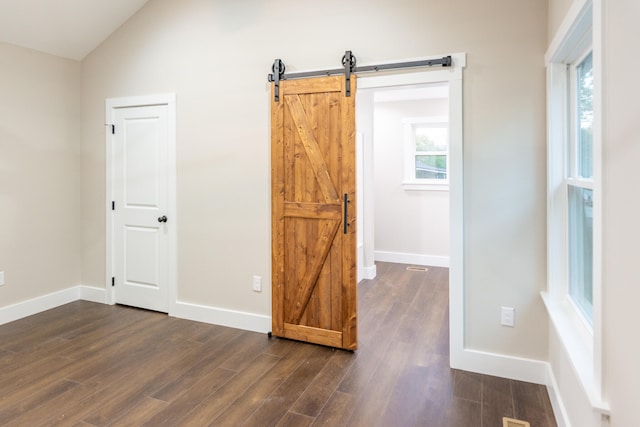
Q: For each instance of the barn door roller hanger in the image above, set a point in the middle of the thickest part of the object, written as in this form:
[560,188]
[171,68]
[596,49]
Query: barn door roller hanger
[349,67]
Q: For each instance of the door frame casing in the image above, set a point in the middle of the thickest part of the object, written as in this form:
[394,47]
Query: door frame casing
[111,105]
[453,76]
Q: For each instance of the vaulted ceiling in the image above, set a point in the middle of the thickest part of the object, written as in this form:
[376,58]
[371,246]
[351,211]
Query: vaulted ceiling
[66,28]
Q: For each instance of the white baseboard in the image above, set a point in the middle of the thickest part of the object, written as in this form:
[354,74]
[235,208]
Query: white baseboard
[223,317]
[559,410]
[89,293]
[515,368]
[199,313]
[369,273]
[407,258]
[498,365]
[36,305]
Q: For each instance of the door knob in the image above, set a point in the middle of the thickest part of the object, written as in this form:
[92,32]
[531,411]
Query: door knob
[163,218]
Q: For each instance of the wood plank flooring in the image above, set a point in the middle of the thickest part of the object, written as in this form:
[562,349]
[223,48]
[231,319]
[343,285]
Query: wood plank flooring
[87,364]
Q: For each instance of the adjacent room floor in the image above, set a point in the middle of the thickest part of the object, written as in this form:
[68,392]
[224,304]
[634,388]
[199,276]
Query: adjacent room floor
[87,364]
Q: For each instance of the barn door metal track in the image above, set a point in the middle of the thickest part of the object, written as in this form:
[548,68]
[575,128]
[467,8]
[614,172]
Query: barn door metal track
[349,67]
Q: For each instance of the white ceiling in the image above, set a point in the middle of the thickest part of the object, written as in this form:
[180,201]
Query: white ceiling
[67,28]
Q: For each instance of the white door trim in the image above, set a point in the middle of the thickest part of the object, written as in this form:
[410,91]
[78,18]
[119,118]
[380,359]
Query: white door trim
[453,76]
[111,104]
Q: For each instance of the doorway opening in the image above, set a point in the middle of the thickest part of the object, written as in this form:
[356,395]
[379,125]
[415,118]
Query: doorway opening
[411,173]
[451,79]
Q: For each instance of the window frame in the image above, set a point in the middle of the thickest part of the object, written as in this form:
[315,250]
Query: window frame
[581,343]
[410,181]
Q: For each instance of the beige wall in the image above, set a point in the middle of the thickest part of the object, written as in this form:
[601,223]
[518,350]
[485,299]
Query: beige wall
[621,146]
[39,173]
[409,222]
[216,55]
[557,11]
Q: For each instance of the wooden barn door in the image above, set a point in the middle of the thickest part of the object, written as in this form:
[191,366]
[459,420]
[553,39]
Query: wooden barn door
[313,212]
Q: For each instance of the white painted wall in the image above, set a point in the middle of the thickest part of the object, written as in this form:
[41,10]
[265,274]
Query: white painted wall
[39,174]
[407,223]
[215,56]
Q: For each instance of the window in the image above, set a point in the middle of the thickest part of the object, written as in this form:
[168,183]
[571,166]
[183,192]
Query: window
[579,184]
[431,152]
[574,198]
[426,153]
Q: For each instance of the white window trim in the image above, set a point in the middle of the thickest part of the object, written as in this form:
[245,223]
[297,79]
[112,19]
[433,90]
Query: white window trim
[582,343]
[411,183]
[580,183]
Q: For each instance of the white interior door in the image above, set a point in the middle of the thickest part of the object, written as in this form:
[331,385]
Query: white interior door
[141,219]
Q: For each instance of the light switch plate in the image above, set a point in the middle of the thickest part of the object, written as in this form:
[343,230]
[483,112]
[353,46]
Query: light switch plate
[1,278]
[508,316]
[257,284]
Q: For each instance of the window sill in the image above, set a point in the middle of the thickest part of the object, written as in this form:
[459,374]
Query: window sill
[420,186]
[577,340]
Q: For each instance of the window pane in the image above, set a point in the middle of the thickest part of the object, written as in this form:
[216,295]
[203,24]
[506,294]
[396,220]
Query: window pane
[585,117]
[431,166]
[432,139]
[581,248]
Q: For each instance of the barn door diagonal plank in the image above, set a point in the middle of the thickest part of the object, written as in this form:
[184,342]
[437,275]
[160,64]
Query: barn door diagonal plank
[312,149]
[326,237]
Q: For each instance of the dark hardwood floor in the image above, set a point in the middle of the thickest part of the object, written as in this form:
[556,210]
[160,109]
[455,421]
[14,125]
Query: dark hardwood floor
[86,364]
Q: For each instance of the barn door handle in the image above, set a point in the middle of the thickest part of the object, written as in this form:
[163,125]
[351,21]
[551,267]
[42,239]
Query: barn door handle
[163,218]
[346,213]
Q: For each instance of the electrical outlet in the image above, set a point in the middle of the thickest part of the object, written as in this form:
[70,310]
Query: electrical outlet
[508,317]
[257,284]
[1,278]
